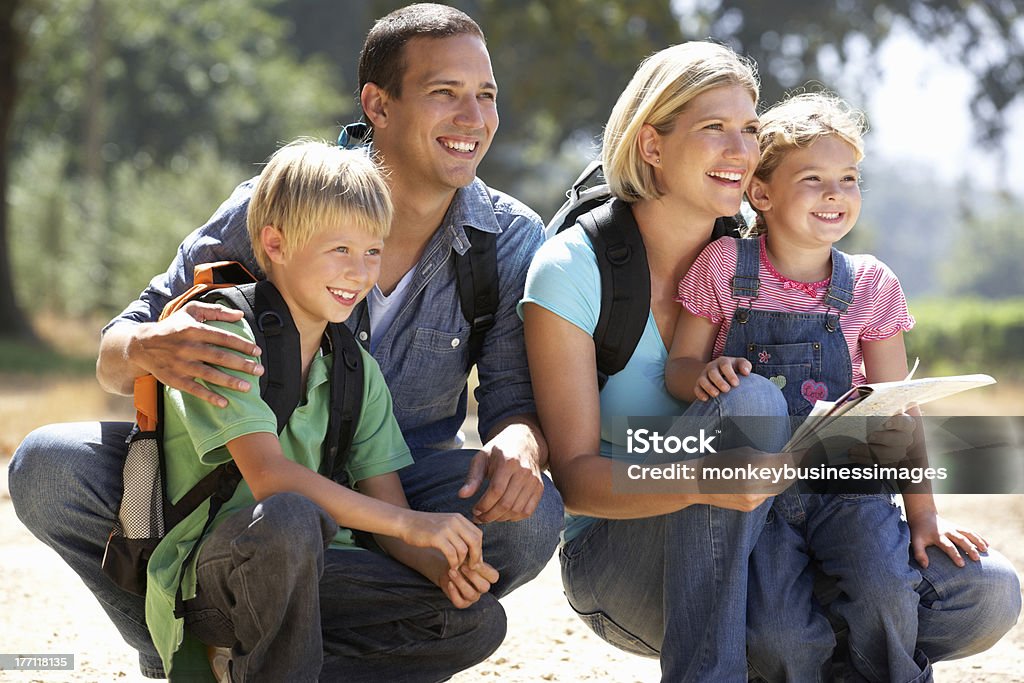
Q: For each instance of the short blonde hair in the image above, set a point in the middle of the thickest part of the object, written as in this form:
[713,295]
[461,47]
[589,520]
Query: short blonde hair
[308,185]
[660,90]
[798,122]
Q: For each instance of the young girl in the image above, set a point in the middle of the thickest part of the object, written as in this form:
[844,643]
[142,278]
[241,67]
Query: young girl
[814,320]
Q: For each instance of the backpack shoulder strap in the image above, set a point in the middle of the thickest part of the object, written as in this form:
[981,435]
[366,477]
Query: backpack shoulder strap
[625,284]
[276,334]
[347,384]
[477,277]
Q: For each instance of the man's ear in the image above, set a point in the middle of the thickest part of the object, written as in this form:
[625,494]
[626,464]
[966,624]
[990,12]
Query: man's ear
[374,101]
[272,242]
[757,195]
[649,142]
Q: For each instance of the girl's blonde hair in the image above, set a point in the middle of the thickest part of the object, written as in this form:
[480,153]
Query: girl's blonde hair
[798,122]
[309,185]
[660,90]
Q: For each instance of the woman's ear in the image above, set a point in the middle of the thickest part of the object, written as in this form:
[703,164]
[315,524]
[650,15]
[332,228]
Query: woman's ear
[649,143]
[272,242]
[374,102]
[757,195]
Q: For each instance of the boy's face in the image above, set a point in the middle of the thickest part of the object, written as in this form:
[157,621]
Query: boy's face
[437,132]
[324,280]
[813,197]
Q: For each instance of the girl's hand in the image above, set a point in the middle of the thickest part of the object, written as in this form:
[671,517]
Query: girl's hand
[464,585]
[458,539]
[928,529]
[720,375]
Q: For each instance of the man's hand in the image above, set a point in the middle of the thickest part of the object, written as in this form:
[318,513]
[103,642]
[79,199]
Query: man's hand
[510,461]
[180,350]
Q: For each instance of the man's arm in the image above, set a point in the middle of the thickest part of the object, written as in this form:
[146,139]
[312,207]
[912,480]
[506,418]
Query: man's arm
[177,350]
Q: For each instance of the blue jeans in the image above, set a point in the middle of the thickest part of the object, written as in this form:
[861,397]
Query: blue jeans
[675,585]
[269,588]
[860,540]
[65,483]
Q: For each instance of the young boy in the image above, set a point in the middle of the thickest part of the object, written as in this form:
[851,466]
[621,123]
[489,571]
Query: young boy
[317,223]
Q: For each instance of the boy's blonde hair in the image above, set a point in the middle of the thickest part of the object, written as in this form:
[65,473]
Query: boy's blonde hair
[660,90]
[309,185]
[798,122]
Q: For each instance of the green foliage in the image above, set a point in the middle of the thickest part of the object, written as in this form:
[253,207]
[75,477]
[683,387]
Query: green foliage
[990,247]
[35,359]
[81,247]
[968,336]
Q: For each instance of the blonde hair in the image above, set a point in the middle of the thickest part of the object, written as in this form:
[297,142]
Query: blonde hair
[797,123]
[308,185]
[660,90]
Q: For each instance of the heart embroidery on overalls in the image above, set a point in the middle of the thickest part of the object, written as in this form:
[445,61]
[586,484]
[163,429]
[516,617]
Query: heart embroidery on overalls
[813,391]
[779,381]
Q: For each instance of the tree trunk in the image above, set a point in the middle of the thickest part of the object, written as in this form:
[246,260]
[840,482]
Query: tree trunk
[13,323]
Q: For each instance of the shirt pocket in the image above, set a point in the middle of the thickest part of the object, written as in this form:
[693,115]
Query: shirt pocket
[438,362]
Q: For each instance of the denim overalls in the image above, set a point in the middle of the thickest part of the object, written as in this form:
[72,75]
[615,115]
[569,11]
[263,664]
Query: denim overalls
[860,539]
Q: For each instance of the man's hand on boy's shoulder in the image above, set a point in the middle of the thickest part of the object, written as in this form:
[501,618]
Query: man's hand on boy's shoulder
[181,349]
[512,462]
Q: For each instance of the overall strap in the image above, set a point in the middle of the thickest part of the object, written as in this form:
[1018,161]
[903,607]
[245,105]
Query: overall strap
[746,284]
[625,285]
[839,295]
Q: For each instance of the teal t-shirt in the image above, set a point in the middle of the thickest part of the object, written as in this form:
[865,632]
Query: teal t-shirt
[564,279]
[195,438]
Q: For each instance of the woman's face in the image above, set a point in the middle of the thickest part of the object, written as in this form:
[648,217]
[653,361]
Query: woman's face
[709,157]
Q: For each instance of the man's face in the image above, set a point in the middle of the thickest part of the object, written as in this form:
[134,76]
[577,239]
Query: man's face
[437,132]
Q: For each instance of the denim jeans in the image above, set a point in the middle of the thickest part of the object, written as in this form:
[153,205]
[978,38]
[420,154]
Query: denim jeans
[269,588]
[675,585]
[863,542]
[65,483]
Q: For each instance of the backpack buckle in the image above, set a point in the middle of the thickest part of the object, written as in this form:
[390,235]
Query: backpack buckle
[483,322]
[618,254]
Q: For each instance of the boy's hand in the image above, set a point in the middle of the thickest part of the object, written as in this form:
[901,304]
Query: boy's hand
[180,350]
[465,585]
[929,529]
[458,539]
[720,375]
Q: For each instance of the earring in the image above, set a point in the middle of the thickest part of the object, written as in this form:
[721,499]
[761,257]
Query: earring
[657,162]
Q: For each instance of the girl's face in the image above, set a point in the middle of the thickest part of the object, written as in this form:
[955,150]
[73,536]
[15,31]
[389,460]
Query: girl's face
[813,197]
[709,157]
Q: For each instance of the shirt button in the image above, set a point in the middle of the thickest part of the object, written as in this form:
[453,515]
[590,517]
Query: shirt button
[363,336]
[455,342]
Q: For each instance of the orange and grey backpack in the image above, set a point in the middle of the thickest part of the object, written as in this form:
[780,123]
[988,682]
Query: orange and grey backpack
[146,513]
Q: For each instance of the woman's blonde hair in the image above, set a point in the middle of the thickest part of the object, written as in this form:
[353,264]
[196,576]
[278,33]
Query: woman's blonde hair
[798,122]
[660,90]
[309,185]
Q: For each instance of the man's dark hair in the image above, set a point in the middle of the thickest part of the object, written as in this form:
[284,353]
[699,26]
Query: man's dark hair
[382,60]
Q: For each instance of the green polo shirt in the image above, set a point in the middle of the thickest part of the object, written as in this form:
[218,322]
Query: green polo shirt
[195,438]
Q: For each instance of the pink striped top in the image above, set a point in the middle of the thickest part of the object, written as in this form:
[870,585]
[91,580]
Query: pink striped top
[879,308]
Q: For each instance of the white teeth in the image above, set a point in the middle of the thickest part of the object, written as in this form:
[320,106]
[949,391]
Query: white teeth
[726,175]
[347,296]
[828,216]
[460,146]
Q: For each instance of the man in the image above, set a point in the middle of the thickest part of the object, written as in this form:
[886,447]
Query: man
[428,94]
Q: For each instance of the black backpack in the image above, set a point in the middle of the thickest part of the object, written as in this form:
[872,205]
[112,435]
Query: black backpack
[621,261]
[146,513]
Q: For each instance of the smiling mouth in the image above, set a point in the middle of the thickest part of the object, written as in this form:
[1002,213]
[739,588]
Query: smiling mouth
[346,296]
[727,176]
[460,146]
[830,216]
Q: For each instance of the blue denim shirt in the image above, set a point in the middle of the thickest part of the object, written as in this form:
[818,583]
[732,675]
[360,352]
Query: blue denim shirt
[423,354]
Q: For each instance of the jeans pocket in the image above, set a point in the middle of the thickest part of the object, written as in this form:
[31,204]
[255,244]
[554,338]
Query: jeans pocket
[210,626]
[613,634]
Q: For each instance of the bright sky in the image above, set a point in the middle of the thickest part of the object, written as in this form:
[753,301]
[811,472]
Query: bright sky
[920,114]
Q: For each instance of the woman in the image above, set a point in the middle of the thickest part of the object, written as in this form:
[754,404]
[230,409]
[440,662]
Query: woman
[654,573]
[665,574]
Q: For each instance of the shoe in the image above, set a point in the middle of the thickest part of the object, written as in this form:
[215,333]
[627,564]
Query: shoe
[220,658]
